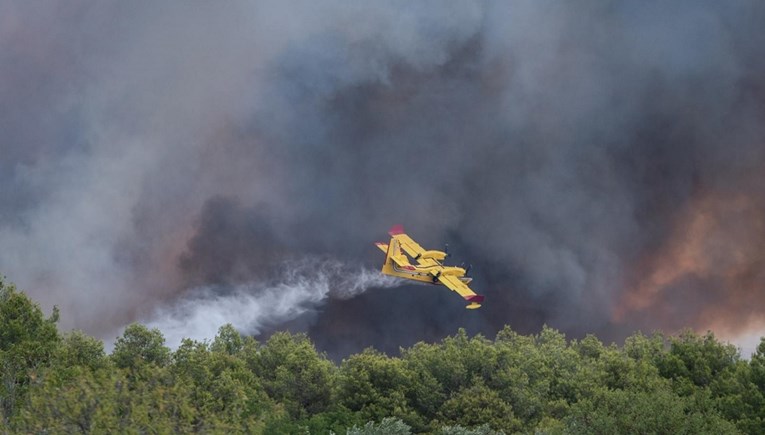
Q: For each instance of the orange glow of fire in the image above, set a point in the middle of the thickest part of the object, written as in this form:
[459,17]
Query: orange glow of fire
[719,239]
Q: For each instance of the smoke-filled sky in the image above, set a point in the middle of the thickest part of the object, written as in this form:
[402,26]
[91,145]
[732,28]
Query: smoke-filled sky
[600,163]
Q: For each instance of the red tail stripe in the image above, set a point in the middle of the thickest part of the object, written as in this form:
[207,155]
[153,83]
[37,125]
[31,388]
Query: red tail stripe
[396,229]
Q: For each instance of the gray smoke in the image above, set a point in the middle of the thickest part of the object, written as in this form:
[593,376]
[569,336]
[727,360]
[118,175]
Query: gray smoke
[599,163]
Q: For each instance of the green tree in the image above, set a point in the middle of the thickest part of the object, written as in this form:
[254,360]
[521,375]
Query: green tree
[294,373]
[140,345]
[388,426]
[439,370]
[220,387]
[337,419]
[517,383]
[455,361]
[560,363]
[83,402]
[697,359]
[637,411]
[80,350]
[478,405]
[739,393]
[758,366]
[27,342]
[228,340]
[478,430]
[375,386]
[521,378]
[590,347]
[641,347]
[539,376]
[152,402]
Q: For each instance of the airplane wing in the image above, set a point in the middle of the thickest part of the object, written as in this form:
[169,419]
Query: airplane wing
[412,248]
[460,287]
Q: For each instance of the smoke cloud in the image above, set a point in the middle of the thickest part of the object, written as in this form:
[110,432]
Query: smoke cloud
[600,163]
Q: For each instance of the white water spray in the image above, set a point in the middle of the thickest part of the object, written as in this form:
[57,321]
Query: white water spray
[302,285]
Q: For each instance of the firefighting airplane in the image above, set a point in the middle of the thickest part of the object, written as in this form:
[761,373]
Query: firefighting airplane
[429,268]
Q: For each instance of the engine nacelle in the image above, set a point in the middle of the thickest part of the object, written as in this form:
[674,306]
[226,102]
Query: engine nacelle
[435,255]
[453,271]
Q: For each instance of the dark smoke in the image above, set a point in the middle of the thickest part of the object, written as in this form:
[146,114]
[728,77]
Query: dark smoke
[599,163]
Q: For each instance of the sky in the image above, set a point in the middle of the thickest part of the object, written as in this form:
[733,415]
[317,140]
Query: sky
[600,164]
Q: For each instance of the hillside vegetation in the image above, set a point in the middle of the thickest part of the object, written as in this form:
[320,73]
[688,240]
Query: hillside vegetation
[65,383]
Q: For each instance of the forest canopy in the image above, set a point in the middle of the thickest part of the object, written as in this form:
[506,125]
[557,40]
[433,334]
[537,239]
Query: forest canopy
[54,382]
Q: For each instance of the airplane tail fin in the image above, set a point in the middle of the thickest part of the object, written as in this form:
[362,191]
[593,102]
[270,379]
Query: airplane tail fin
[395,259]
[394,250]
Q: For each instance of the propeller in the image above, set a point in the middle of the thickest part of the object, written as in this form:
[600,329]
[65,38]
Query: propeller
[446,249]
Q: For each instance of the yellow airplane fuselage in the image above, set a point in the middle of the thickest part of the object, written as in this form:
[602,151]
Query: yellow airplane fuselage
[419,273]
